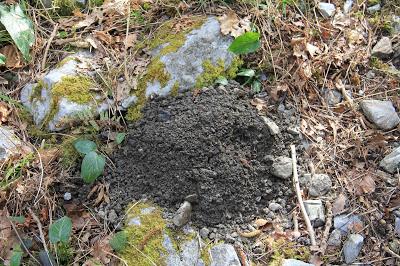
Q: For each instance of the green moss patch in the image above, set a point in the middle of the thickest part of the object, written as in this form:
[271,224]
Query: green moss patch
[74,88]
[145,242]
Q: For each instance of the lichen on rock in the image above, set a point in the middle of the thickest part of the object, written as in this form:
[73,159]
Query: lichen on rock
[193,57]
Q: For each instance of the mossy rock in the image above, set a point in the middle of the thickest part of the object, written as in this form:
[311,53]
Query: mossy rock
[191,57]
[152,242]
[65,94]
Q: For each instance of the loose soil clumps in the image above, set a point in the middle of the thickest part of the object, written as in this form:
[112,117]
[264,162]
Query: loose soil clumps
[211,143]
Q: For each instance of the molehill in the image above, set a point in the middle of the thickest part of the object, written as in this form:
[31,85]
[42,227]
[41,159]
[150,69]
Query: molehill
[211,143]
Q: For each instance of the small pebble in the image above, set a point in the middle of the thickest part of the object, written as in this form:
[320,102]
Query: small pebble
[67,196]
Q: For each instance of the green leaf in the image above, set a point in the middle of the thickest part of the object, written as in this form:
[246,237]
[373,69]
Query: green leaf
[2,59]
[19,26]
[221,80]
[60,230]
[246,43]
[256,86]
[119,241]
[16,256]
[120,138]
[85,146]
[246,73]
[92,166]
[17,219]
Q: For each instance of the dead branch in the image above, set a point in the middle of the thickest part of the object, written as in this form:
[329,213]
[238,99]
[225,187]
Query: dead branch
[296,183]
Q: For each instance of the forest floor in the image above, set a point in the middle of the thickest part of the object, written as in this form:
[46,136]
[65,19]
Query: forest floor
[312,68]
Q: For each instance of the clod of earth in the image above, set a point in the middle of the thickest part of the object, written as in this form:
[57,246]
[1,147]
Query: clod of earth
[212,144]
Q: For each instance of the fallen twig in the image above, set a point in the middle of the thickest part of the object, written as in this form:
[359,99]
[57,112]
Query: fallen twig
[53,34]
[39,224]
[296,183]
[328,225]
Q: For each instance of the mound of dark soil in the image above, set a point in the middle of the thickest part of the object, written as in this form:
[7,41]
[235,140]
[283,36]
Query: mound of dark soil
[213,144]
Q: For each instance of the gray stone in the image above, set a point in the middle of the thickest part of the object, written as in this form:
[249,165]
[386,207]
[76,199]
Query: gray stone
[383,48]
[294,130]
[204,232]
[397,226]
[282,167]
[347,6]
[186,64]
[327,9]
[128,102]
[112,216]
[192,198]
[191,253]
[373,9]
[391,162]
[315,211]
[381,113]
[182,215]
[333,97]
[335,238]
[272,126]
[352,247]
[346,223]
[224,255]
[319,185]
[67,196]
[293,262]
[273,206]
[10,144]
[396,24]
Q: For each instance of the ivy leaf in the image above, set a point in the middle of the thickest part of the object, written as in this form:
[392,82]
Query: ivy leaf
[120,137]
[221,80]
[92,166]
[85,146]
[246,73]
[19,26]
[17,219]
[246,43]
[2,59]
[16,256]
[256,86]
[60,230]
[119,241]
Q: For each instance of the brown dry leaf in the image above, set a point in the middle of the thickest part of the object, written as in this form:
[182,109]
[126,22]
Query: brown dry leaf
[312,49]
[4,112]
[13,57]
[260,222]
[101,250]
[338,205]
[276,90]
[232,25]
[7,237]
[130,40]
[259,104]
[104,37]
[316,260]
[250,234]
[365,186]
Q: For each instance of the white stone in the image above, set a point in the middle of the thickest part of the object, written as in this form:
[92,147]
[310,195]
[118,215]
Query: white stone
[327,9]
[272,126]
[10,144]
[347,6]
[282,167]
[315,211]
[224,255]
[381,113]
[374,8]
[383,48]
[293,262]
[67,196]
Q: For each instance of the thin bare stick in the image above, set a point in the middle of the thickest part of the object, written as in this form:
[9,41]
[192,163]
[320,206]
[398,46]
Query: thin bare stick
[296,183]
[22,242]
[53,34]
[328,225]
[39,224]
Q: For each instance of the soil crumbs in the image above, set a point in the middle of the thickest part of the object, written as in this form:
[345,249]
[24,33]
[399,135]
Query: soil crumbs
[211,143]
